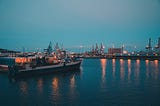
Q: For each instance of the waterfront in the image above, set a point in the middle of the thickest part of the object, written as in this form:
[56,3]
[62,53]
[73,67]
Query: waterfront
[99,82]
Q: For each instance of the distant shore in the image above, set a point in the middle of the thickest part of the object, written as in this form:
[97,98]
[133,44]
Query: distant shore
[124,57]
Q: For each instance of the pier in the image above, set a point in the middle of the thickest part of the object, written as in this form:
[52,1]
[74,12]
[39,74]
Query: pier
[124,57]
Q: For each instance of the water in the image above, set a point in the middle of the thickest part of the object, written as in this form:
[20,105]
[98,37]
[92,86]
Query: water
[99,82]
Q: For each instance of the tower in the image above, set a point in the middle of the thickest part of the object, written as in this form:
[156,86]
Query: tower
[96,49]
[157,47]
[122,49]
[102,49]
[93,49]
[148,47]
[49,49]
[56,47]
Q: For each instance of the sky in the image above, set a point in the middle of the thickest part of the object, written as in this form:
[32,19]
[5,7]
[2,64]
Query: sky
[73,23]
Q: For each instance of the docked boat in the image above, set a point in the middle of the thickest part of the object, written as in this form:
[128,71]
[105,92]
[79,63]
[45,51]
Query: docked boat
[44,63]
[3,68]
[28,70]
[5,62]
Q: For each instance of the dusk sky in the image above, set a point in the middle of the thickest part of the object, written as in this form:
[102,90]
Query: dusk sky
[34,23]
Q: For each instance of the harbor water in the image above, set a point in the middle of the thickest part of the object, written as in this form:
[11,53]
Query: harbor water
[106,82]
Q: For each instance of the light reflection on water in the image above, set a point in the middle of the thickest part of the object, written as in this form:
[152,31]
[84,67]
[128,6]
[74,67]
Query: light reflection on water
[103,65]
[72,82]
[72,87]
[40,85]
[110,82]
[122,69]
[147,68]
[55,85]
[113,66]
[137,69]
[129,69]
[156,68]
[24,88]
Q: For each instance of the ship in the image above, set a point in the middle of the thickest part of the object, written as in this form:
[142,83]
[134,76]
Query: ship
[44,63]
[17,71]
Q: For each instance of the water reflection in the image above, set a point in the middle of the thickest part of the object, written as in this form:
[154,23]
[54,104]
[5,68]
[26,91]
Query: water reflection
[72,87]
[129,68]
[103,65]
[156,63]
[147,62]
[122,69]
[156,68]
[137,68]
[40,85]
[113,67]
[72,82]
[81,72]
[24,87]
[147,69]
[55,86]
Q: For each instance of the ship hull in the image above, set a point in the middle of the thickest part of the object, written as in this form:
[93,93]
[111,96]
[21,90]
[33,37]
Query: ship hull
[45,69]
[4,68]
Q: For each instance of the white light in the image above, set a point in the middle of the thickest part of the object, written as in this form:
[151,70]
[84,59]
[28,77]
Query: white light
[125,52]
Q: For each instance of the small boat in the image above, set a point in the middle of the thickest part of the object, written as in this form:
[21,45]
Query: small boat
[5,62]
[16,71]
[3,68]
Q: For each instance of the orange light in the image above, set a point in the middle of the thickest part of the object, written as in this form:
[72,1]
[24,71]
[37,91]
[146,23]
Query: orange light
[129,61]
[147,61]
[113,61]
[23,60]
[156,62]
[55,83]
[103,62]
[121,60]
[129,64]
[138,61]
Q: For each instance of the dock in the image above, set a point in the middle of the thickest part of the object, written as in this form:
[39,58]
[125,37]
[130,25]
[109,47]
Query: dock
[123,57]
